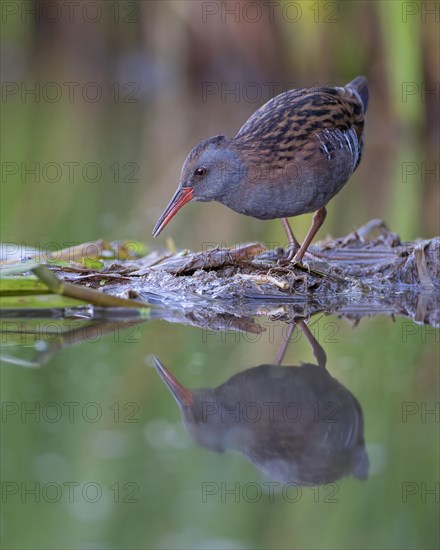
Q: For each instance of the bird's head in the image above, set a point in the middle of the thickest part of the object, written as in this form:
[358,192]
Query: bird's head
[208,172]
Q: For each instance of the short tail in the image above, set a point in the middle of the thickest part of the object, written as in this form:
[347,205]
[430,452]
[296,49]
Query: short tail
[360,86]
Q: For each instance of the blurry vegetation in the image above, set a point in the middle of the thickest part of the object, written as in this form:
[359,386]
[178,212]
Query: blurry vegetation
[164,72]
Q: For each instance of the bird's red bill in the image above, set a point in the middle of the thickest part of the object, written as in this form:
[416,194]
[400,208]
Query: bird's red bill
[182,395]
[180,198]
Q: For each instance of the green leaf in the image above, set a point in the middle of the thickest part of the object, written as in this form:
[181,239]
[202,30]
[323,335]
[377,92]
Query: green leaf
[16,286]
[92,263]
[41,301]
[126,250]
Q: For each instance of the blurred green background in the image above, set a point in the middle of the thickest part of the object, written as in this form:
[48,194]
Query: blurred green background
[103,101]
[390,367]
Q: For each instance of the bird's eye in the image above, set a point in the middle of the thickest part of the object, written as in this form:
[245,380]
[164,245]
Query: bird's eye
[200,171]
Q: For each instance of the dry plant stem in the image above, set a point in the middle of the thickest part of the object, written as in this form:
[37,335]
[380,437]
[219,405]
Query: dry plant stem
[88,295]
[91,250]
[265,279]
[422,269]
[68,254]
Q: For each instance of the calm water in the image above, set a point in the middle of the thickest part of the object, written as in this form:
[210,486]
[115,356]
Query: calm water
[338,448]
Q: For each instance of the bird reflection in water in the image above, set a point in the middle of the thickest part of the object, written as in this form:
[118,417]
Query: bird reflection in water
[295,423]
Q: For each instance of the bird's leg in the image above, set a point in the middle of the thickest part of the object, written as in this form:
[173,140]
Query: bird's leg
[283,346]
[318,219]
[293,243]
[318,351]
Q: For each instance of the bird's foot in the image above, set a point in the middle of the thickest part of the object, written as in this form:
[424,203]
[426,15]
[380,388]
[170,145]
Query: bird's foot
[290,263]
[305,264]
[291,250]
[296,257]
[283,262]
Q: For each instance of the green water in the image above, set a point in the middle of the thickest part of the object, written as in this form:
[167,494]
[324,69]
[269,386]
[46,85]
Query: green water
[94,453]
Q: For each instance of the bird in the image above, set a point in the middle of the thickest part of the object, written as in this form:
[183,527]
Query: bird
[291,157]
[296,424]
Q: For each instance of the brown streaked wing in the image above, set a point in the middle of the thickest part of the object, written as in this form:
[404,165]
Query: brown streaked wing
[291,120]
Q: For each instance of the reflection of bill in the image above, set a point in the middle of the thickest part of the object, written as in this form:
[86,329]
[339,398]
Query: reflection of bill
[295,423]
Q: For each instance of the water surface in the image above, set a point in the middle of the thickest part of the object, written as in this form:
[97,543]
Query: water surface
[337,448]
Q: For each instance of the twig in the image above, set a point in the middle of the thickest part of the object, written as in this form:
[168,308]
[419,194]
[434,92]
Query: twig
[88,295]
